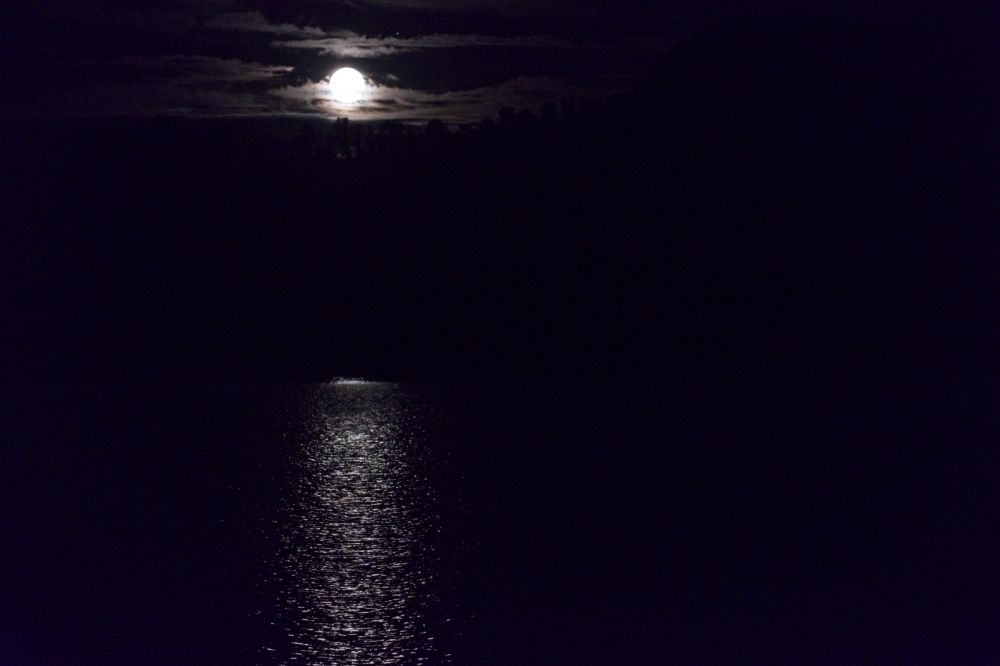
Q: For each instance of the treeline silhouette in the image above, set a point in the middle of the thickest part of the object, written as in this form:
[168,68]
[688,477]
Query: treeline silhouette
[573,120]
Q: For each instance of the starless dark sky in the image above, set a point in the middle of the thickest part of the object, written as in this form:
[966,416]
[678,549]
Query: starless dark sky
[458,60]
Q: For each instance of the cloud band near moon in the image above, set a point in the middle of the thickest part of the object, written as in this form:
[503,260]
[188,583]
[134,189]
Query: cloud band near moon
[455,61]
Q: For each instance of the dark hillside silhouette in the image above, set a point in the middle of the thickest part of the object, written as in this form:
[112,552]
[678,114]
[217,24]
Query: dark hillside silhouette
[776,193]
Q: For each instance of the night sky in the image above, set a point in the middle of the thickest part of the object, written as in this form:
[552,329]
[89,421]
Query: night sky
[454,60]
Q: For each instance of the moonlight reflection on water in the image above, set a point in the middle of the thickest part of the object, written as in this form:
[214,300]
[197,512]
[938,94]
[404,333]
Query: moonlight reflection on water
[356,567]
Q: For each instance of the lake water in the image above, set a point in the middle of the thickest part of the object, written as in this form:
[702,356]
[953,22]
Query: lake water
[372,523]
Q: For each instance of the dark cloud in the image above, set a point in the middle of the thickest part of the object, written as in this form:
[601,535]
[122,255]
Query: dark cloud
[256,22]
[351,45]
[187,70]
[427,57]
[172,84]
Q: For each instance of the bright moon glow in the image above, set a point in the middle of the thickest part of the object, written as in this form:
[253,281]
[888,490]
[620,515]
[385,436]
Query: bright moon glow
[347,86]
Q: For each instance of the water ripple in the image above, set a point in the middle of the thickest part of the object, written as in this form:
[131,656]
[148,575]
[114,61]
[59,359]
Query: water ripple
[355,572]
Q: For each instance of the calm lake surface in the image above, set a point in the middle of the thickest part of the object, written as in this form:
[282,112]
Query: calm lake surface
[373,523]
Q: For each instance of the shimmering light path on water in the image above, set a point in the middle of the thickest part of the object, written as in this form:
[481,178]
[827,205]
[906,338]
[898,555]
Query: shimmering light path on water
[356,568]
[487,525]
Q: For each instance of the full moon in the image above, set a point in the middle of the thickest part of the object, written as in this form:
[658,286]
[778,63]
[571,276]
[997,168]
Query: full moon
[347,85]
